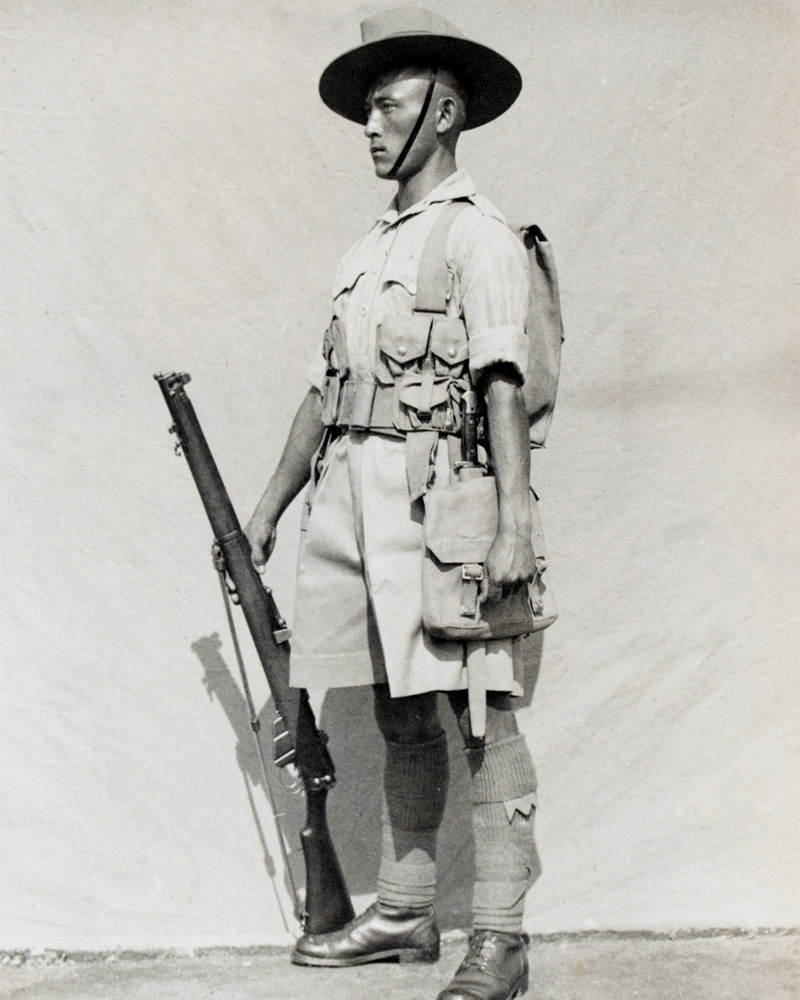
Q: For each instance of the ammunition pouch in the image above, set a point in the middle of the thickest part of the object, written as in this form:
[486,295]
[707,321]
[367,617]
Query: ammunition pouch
[334,350]
[421,376]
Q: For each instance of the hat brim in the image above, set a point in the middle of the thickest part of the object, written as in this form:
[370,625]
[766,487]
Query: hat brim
[493,83]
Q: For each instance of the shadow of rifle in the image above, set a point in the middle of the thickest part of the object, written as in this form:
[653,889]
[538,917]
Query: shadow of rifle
[221,686]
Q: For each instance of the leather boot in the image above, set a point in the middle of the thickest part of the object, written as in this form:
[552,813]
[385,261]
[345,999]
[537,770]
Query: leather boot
[380,933]
[495,968]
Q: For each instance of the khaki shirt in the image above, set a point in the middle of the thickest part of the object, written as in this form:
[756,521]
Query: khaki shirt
[487,284]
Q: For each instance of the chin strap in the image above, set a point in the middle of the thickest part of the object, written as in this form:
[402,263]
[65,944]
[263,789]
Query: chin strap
[417,126]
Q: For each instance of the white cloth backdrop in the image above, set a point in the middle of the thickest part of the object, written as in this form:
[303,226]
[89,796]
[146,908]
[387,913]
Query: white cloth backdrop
[175,195]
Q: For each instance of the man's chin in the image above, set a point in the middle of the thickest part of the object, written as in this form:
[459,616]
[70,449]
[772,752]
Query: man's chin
[383,169]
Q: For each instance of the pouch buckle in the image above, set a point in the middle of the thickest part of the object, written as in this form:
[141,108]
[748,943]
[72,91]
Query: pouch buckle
[471,577]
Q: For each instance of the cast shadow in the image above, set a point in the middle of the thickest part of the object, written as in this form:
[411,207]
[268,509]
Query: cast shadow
[275,797]
[354,804]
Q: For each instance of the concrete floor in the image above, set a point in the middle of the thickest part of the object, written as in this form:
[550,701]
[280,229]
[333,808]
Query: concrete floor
[596,967]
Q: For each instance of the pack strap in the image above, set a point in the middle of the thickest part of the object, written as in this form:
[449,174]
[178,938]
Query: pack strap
[432,277]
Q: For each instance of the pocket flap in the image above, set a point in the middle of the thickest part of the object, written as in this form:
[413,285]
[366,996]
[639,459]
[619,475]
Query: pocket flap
[346,277]
[402,271]
[424,397]
[404,338]
[449,340]
[461,520]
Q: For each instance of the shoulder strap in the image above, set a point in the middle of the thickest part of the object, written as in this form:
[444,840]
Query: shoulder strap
[432,276]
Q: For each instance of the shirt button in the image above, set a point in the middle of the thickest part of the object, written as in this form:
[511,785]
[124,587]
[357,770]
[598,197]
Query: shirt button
[363,310]
[401,350]
[452,352]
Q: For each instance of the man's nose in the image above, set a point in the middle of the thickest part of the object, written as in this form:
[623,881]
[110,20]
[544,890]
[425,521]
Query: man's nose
[372,128]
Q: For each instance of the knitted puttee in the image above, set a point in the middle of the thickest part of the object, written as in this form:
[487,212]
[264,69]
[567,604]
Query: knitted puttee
[415,789]
[504,807]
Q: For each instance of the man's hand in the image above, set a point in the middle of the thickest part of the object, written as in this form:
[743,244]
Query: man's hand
[290,477]
[261,534]
[509,565]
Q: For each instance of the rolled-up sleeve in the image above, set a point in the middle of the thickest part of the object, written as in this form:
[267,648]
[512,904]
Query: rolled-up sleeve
[493,288]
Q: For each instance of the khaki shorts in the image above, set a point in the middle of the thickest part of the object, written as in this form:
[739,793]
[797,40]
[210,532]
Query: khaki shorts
[358,612]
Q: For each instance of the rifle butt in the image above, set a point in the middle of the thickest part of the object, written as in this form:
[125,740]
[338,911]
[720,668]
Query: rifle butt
[327,904]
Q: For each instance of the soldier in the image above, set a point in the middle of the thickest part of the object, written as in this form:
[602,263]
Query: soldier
[377,428]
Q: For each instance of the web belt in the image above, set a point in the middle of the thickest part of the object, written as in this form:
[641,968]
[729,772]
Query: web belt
[367,406]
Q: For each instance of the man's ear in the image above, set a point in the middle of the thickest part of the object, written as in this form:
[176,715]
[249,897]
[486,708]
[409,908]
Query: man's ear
[448,109]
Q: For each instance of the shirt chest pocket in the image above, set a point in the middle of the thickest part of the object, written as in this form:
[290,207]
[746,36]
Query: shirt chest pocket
[398,286]
[348,277]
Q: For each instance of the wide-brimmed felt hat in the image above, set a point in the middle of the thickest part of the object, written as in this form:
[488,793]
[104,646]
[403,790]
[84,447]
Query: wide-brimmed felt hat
[410,35]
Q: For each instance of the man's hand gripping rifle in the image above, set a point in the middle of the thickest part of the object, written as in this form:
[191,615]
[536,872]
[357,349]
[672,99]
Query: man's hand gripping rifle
[297,739]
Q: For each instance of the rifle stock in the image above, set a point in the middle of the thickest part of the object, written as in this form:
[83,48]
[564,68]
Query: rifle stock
[299,741]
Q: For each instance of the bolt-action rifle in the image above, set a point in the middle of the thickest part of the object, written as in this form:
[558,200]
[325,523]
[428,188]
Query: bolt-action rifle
[296,738]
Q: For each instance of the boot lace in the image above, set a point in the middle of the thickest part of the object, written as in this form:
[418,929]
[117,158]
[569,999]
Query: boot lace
[481,952]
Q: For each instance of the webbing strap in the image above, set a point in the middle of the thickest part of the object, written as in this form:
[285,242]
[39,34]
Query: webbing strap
[432,275]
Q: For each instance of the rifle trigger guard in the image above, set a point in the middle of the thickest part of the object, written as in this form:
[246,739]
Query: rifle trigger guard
[290,780]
